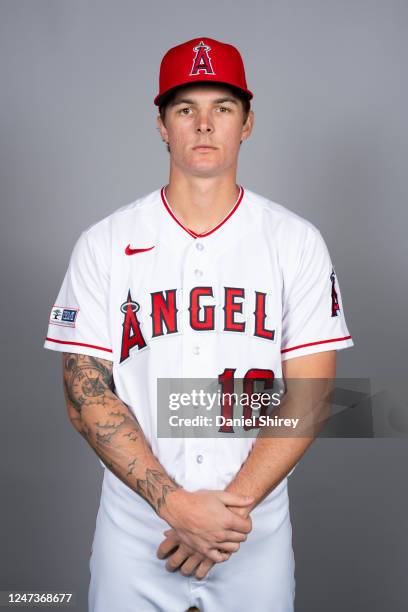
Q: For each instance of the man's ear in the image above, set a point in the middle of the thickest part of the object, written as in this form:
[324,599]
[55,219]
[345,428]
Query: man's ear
[162,129]
[248,126]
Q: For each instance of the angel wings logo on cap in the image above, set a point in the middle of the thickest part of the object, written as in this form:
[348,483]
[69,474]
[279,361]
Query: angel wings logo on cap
[202,61]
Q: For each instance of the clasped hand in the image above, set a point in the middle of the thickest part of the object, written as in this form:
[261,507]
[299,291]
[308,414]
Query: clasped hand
[206,528]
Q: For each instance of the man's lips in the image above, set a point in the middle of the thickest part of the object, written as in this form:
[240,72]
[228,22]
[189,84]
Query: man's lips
[204,147]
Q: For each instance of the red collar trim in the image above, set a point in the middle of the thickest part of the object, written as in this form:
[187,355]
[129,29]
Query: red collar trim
[191,232]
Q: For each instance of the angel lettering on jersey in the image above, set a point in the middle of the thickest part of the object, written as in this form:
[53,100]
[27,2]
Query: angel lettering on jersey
[201,316]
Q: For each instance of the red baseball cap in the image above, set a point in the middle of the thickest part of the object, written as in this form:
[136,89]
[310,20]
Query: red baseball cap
[201,59]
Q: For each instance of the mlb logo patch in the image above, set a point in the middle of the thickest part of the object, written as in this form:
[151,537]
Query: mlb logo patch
[62,315]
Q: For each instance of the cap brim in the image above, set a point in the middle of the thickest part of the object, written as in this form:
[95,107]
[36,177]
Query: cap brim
[160,97]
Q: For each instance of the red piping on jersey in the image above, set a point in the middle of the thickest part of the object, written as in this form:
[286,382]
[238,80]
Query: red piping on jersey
[293,348]
[191,232]
[101,348]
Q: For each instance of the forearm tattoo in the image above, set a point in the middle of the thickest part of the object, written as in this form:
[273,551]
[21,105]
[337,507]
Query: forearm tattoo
[111,429]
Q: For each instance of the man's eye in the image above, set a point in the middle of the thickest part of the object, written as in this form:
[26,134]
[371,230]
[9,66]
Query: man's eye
[186,108]
[224,108]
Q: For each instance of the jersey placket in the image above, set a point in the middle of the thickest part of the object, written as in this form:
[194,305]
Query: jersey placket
[198,349]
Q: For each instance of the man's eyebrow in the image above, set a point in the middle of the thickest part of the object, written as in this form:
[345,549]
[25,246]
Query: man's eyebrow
[189,101]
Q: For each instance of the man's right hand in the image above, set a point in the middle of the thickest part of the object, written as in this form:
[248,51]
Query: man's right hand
[205,523]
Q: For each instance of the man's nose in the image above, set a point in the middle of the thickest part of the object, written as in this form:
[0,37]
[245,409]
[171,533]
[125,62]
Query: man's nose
[204,124]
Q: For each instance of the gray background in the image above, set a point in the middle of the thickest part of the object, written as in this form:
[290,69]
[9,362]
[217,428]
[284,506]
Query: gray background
[78,140]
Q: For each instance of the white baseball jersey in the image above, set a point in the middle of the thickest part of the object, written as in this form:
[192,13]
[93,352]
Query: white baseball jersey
[161,301]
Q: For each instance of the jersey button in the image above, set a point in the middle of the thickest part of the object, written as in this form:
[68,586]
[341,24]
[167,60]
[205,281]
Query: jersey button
[198,273]
[199,246]
[199,458]
[196,350]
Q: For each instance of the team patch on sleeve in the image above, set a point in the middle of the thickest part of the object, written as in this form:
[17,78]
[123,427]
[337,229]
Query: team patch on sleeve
[62,315]
[335,306]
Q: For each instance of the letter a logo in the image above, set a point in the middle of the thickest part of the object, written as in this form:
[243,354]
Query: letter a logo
[132,334]
[202,60]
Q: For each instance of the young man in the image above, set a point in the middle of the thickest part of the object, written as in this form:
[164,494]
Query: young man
[199,279]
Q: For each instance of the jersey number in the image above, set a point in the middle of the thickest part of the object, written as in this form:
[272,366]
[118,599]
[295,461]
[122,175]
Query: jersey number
[226,379]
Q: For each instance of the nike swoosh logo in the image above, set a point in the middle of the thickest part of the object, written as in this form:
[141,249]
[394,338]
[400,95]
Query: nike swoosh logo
[130,251]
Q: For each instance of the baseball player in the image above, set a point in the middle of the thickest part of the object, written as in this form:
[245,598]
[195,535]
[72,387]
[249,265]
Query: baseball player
[201,278]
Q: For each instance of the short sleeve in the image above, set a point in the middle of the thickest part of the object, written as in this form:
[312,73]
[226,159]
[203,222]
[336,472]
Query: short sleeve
[313,317]
[79,320]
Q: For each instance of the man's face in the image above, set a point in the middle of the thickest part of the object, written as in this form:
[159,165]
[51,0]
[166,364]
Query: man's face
[204,127]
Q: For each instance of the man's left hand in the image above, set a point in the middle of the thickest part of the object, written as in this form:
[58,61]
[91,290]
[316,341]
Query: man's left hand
[182,556]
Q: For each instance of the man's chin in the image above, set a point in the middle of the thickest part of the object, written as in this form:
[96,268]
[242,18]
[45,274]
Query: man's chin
[204,167]
[204,170]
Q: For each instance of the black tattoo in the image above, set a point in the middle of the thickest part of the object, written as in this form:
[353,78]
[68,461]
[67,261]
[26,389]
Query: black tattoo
[155,488]
[115,426]
[110,428]
[131,467]
[86,379]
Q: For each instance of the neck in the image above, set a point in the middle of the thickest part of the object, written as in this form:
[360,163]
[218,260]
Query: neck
[200,203]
